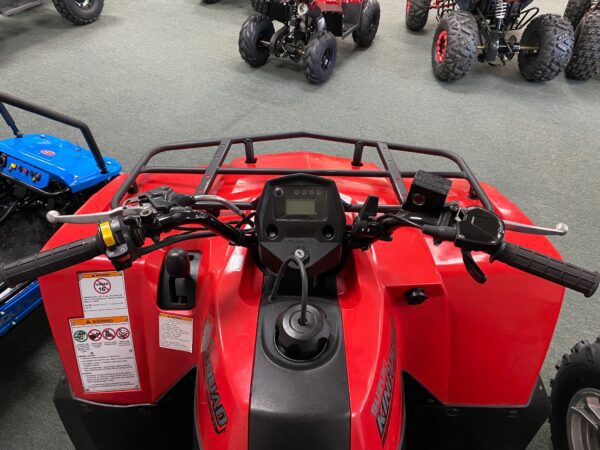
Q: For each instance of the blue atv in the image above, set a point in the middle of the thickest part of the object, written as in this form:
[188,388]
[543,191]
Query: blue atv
[39,173]
[80,12]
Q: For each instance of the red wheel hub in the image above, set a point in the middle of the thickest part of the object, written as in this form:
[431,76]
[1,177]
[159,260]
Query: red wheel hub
[441,46]
[407,6]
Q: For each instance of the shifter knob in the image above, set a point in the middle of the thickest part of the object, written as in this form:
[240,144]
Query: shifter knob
[177,263]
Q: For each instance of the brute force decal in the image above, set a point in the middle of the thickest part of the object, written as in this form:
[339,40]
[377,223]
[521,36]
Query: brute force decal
[382,403]
[217,410]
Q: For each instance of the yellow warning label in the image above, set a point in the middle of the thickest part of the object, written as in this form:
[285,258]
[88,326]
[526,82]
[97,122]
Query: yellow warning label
[176,332]
[98,320]
[172,316]
[103,294]
[99,274]
[105,353]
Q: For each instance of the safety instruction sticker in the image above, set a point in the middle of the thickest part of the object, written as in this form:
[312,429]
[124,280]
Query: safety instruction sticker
[103,294]
[105,354]
[176,332]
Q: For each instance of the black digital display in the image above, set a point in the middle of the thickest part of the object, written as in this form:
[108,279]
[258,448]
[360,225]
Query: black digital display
[301,207]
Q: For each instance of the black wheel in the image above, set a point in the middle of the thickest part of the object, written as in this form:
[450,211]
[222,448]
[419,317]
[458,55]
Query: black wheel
[320,56]
[253,40]
[262,6]
[369,24]
[417,12]
[548,42]
[454,45]
[576,9]
[80,12]
[210,2]
[585,62]
[575,398]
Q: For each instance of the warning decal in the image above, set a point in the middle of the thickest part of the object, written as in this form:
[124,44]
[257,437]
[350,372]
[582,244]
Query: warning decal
[105,354]
[176,332]
[103,294]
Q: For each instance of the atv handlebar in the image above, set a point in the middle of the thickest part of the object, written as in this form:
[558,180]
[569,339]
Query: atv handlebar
[478,229]
[43,263]
[559,272]
[122,238]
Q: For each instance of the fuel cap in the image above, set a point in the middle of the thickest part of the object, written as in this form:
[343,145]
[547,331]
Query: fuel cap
[298,341]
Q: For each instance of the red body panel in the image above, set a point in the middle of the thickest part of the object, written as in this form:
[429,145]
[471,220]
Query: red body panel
[469,344]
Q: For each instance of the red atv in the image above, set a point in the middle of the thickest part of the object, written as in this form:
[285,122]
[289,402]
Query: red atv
[304,301]
[483,30]
[308,33]
[585,17]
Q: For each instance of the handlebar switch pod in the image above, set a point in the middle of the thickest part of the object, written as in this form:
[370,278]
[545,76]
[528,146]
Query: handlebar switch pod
[120,241]
[479,229]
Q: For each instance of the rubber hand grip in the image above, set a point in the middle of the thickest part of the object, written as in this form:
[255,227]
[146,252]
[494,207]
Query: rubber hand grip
[32,267]
[559,272]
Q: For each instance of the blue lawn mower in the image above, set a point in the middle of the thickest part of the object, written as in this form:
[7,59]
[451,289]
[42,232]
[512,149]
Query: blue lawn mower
[39,173]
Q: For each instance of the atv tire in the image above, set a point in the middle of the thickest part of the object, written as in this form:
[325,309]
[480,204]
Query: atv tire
[575,11]
[369,24]
[554,37]
[577,371]
[256,28]
[454,45]
[320,56]
[586,55]
[80,12]
[417,12]
[261,6]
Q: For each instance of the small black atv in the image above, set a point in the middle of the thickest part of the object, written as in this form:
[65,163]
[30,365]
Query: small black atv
[80,12]
[483,30]
[585,17]
[309,31]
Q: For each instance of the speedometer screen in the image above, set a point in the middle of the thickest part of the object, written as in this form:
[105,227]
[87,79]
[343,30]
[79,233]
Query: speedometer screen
[300,207]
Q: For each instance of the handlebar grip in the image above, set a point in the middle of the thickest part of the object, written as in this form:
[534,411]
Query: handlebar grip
[559,272]
[43,263]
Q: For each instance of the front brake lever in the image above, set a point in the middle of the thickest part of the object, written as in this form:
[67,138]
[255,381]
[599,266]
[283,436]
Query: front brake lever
[56,217]
[559,230]
[472,268]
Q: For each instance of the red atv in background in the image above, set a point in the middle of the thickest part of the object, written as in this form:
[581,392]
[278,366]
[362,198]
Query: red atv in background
[308,33]
[483,30]
[585,17]
[303,301]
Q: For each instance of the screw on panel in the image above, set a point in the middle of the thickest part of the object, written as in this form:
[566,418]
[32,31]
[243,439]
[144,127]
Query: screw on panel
[415,296]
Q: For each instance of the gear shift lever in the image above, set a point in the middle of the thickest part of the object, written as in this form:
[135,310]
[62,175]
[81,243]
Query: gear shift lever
[177,263]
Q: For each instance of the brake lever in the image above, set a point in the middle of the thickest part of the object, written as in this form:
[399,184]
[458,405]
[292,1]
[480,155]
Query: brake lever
[472,268]
[560,229]
[93,218]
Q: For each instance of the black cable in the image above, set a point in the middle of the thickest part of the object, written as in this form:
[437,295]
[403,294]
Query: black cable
[173,240]
[237,224]
[246,220]
[399,220]
[304,281]
[9,211]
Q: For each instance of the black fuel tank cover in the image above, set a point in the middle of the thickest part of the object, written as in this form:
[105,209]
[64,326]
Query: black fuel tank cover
[298,341]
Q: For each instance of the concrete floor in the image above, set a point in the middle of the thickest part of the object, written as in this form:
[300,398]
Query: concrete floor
[158,71]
